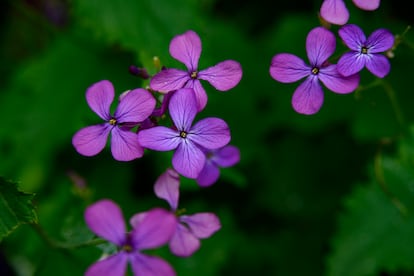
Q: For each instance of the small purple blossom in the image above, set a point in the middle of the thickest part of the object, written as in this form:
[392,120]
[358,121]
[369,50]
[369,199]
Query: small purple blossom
[186,48]
[189,228]
[365,52]
[308,96]
[188,141]
[336,12]
[136,105]
[226,156]
[105,219]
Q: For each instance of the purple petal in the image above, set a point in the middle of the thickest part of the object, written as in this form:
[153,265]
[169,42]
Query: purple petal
[135,106]
[187,49]
[352,36]
[368,5]
[150,265]
[169,79]
[159,138]
[337,83]
[334,11]
[136,219]
[210,133]
[105,219]
[202,225]
[199,93]
[378,65]
[183,108]
[308,97]
[91,140]
[288,68]
[125,145]
[223,76]
[320,45]
[115,265]
[154,230]
[380,40]
[188,160]
[99,97]
[167,187]
[226,156]
[183,243]
[208,175]
[351,63]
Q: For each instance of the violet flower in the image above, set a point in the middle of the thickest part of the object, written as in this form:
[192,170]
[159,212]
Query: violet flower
[308,96]
[105,219]
[188,141]
[226,156]
[136,105]
[336,12]
[187,49]
[189,228]
[365,52]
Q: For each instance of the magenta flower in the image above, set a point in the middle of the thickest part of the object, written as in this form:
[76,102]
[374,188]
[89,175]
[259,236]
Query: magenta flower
[105,219]
[135,106]
[187,49]
[188,141]
[335,11]
[224,157]
[189,228]
[308,96]
[365,52]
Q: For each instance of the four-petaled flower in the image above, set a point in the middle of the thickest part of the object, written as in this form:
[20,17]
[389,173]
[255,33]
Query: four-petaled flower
[134,107]
[188,141]
[365,52]
[335,11]
[186,48]
[105,219]
[308,97]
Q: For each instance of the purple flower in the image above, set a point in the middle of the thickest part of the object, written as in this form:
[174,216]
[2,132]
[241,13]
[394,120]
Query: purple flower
[188,141]
[105,219]
[187,49]
[335,11]
[189,228]
[365,52]
[135,106]
[226,156]
[308,97]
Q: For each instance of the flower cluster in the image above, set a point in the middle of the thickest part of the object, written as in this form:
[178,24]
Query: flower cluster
[343,77]
[160,118]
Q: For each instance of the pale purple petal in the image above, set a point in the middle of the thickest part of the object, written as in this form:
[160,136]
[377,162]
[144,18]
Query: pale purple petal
[187,49]
[199,92]
[352,36]
[105,219]
[150,266]
[183,108]
[368,5]
[188,160]
[91,140]
[210,133]
[379,41]
[334,11]
[320,45]
[115,265]
[202,225]
[136,219]
[337,83]
[226,156]
[308,97]
[125,145]
[288,68]
[135,106]
[183,243]
[378,65]
[351,63]
[99,97]
[208,175]
[167,187]
[169,79]
[159,138]
[154,230]
[223,76]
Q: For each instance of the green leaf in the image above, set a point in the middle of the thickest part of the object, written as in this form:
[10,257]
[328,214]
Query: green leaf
[15,208]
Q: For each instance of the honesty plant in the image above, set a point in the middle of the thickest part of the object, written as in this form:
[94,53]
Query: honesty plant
[336,12]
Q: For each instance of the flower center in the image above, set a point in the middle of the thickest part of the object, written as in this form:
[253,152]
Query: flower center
[127,248]
[112,121]
[183,134]
[194,74]
[315,70]
[364,50]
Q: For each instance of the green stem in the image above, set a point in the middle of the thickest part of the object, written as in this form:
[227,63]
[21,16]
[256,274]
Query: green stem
[395,105]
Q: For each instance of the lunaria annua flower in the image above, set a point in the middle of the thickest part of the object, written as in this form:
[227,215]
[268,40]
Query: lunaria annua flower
[308,96]
[336,12]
